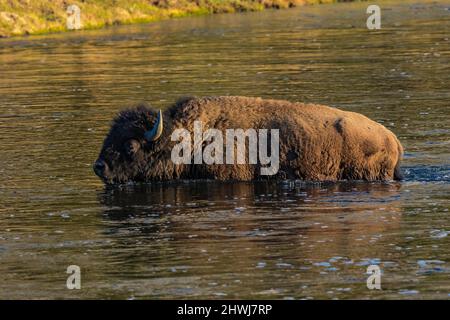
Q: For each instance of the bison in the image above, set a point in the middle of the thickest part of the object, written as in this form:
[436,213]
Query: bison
[316,142]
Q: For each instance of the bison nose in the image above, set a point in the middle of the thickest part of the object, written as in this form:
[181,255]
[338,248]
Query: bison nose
[99,167]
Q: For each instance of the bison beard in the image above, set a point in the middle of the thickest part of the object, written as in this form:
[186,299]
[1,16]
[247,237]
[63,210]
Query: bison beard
[316,143]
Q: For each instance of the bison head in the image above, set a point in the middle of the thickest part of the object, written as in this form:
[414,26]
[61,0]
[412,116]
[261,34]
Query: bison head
[129,147]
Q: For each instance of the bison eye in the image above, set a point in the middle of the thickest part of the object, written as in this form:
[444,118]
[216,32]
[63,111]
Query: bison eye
[131,147]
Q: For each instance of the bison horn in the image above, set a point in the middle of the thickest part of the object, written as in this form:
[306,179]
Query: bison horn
[154,133]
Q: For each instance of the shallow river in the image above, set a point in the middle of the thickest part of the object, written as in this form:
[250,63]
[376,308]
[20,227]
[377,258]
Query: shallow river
[58,94]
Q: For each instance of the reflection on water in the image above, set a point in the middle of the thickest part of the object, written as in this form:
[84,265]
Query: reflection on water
[225,240]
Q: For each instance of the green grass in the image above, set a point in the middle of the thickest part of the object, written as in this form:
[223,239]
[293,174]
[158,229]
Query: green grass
[22,17]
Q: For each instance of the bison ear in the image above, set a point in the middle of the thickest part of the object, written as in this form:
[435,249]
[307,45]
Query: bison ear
[155,133]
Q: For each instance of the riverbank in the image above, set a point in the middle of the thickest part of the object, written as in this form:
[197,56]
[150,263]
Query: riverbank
[24,17]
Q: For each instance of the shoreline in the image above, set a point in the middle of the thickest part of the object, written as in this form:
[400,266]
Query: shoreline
[38,17]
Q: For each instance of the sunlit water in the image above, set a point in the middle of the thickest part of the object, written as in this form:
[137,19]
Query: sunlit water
[58,94]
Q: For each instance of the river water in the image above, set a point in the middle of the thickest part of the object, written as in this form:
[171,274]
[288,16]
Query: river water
[58,94]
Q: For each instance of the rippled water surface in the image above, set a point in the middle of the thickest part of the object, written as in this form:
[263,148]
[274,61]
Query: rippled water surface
[58,94]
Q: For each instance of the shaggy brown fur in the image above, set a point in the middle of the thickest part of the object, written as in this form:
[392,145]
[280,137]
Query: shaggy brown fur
[317,142]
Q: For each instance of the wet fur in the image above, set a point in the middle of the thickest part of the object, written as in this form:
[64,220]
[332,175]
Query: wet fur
[317,142]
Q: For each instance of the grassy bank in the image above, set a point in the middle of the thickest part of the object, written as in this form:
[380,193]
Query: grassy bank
[21,17]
